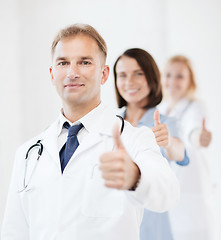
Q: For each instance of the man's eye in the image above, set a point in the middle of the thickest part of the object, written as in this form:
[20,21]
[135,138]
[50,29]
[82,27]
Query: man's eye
[85,63]
[63,63]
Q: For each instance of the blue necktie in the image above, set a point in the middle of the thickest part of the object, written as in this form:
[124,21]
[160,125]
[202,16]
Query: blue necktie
[71,145]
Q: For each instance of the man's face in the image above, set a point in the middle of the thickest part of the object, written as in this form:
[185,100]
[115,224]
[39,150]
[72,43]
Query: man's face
[78,71]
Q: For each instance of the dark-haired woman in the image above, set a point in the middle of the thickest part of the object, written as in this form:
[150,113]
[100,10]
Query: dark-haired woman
[138,90]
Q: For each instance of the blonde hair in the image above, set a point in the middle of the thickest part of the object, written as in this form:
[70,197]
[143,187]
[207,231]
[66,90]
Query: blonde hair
[77,29]
[184,60]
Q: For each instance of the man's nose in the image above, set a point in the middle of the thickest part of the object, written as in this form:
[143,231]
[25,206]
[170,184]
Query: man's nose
[73,71]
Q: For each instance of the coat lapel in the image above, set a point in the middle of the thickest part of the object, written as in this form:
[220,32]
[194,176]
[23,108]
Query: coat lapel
[90,141]
[50,142]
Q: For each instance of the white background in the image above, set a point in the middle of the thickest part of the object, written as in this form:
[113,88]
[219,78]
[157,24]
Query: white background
[29,103]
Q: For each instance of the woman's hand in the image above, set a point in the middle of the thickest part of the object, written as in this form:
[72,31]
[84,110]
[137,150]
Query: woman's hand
[205,135]
[160,131]
[173,146]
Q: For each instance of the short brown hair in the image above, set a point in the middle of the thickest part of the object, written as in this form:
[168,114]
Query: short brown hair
[151,72]
[184,60]
[76,29]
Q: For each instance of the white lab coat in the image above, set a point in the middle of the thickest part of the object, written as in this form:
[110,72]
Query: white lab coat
[76,204]
[194,217]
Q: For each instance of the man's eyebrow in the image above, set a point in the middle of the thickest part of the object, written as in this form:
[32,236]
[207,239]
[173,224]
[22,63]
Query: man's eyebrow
[87,57]
[81,58]
[60,58]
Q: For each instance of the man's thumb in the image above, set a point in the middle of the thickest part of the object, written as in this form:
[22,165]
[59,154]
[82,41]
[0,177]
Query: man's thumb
[116,136]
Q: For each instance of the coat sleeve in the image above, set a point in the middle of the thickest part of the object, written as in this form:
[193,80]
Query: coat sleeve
[15,225]
[158,189]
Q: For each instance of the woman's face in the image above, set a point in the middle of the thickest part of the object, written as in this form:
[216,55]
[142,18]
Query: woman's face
[131,81]
[176,80]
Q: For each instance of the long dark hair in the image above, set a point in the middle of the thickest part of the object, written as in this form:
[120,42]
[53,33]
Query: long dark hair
[151,72]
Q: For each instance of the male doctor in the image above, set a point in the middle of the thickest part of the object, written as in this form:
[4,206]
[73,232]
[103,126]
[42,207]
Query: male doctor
[85,179]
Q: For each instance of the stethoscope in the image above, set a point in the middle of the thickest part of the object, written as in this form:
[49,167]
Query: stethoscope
[39,145]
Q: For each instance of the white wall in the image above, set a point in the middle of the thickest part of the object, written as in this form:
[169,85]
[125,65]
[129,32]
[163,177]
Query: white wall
[163,27]
[10,92]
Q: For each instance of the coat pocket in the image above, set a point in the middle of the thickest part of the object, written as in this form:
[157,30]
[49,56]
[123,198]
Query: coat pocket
[100,201]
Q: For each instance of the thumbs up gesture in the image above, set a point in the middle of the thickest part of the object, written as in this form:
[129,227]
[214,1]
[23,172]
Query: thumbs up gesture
[118,169]
[160,131]
[205,135]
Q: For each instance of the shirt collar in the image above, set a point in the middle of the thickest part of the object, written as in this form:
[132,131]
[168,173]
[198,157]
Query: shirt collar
[62,120]
[89,120]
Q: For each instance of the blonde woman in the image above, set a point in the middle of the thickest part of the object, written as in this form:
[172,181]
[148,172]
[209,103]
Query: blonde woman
[193,218]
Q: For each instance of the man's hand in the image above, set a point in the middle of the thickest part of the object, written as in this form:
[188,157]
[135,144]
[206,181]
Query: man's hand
[118,169]
[205,135]
[160,131]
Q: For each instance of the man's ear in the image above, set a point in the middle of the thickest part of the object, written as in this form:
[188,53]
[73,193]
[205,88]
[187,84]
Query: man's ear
[106,71]
[52,76]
